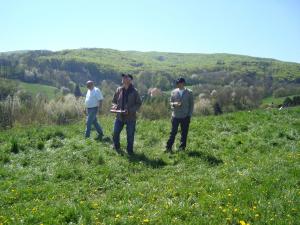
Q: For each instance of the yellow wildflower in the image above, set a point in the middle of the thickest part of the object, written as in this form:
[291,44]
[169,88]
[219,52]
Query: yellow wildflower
[242,222]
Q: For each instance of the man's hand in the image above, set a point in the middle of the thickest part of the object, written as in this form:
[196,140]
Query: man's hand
[176,104]
[114,106]
[99,110]
[188,118]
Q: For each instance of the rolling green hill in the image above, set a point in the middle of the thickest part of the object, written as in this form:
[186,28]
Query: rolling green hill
[108,64]
[249,79]
[239,168]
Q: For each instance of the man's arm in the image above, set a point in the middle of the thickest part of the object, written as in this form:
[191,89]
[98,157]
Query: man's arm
[100,105]
[172,100]
[115,97]
[99,97]
[191,104]
[138,103]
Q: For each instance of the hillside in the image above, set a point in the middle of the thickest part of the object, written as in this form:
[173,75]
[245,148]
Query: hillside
[62,67]
[234,82]
[239,168]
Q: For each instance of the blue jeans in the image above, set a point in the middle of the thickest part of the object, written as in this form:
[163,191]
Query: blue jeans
[91,119]
[130,130]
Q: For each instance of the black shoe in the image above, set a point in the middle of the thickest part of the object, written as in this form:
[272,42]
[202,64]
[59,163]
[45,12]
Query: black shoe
[99,137]
[130,153]
[168,150]
[181,148]
[117,149]
[106,139]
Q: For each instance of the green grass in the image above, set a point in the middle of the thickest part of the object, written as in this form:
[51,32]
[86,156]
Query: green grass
[34,89]
[276,101]
[242,166]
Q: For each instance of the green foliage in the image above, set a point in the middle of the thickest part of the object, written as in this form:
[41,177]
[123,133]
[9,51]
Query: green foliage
[287,102]
[238,167]
[77,91]
[155,108]
[7,87]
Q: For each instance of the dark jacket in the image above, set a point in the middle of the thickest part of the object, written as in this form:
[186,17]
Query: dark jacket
[127,100]
[187,103]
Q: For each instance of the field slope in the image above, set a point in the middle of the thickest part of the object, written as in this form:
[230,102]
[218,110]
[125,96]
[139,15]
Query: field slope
[239,168]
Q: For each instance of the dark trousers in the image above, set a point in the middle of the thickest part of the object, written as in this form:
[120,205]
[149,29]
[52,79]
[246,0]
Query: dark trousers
[130,130]
[184,126]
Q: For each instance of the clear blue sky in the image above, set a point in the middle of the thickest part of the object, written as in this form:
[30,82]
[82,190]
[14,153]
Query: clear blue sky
[263,28]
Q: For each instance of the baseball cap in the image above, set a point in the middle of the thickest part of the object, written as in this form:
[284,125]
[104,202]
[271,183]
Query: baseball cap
[180,80]
[127,75]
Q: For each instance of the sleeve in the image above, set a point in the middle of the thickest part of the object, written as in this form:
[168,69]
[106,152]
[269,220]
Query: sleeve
[99,95]
[138,102]
[191,103]
[172,100]
[115,97]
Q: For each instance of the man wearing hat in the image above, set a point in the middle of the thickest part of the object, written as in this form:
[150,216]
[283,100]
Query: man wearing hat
[126,102]
[93,103]
[182,104]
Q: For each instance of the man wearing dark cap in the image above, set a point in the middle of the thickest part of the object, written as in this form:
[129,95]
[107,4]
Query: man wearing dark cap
[182,104]
[125,103]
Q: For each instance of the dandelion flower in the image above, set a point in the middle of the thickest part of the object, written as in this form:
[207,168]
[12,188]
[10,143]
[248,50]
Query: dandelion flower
[242,222]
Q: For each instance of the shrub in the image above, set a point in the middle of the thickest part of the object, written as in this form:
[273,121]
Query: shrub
[287,102]
[203,107]
[217,108]
[7,111]
[65,109]
[296,100]
[155,108]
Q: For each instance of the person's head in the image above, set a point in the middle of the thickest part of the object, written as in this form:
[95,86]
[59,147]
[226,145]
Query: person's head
[126,79]
[90,84]
[180,82]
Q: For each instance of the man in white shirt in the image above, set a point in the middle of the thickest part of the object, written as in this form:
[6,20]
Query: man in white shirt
[93,102]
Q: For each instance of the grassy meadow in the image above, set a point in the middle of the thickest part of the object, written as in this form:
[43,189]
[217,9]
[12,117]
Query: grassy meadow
[239,168]
[34,89]
[274,100]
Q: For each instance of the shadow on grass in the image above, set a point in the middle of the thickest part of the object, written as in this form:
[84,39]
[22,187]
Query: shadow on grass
[210,159]
[141,157]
